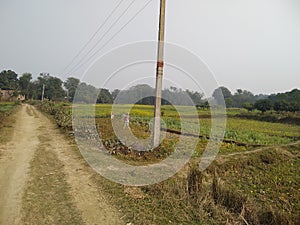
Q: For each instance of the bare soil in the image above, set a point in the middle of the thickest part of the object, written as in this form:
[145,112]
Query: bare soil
[43,178]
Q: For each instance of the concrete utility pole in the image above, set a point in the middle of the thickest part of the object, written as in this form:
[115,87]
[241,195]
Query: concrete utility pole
[159,74]
[43,92]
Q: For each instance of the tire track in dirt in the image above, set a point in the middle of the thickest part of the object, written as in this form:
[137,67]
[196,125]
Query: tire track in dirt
[93,205]
[14,164]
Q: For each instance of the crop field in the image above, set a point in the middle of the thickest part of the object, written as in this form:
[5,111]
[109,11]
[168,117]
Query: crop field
[255,177]
[241,134]
[251,131]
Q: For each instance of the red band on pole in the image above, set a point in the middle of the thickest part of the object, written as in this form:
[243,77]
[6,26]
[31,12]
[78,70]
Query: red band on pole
[160,64]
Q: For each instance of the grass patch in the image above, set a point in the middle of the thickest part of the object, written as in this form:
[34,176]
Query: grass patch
[270,179]
[7,109]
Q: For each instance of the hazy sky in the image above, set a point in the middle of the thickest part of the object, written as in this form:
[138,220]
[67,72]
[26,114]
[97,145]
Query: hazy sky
[248,44]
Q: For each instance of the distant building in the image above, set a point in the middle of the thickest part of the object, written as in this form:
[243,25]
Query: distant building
[21,97]
[8,96]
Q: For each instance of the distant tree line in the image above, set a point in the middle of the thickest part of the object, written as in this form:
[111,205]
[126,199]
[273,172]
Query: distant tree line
[281,102]
[145,94]
[54,88]
[237,99]
[57,90]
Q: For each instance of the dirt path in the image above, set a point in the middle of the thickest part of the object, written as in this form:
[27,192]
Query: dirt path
[14,164]
[34,131]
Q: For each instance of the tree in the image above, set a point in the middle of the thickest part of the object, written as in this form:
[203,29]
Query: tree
[291,96]
[294,107]
[248,106]
[177,96]
[173,89]
[139,94]
[71,85]
[8,80]
[294,95]
[239,91]
[222,94]
[53,87]
[24,84]
[142,94]
[228,102]
[263,105]
[145,95]
[34,92]
[281,106]
[86,94]
[195,96]
[104,96]
[242,96]
[115,93]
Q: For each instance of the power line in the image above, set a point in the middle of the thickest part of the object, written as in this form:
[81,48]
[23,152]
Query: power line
[92,37]
[76,68]
[104,35]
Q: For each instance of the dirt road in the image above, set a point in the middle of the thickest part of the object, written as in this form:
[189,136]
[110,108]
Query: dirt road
[23,175]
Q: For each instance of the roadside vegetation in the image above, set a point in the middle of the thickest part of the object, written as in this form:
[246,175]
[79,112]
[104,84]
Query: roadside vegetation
[6,110]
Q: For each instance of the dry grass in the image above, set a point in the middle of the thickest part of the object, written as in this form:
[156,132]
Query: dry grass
[178,200]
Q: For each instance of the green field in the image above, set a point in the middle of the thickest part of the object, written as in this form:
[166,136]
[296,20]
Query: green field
[238,130]
[240,134]
[254,179]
